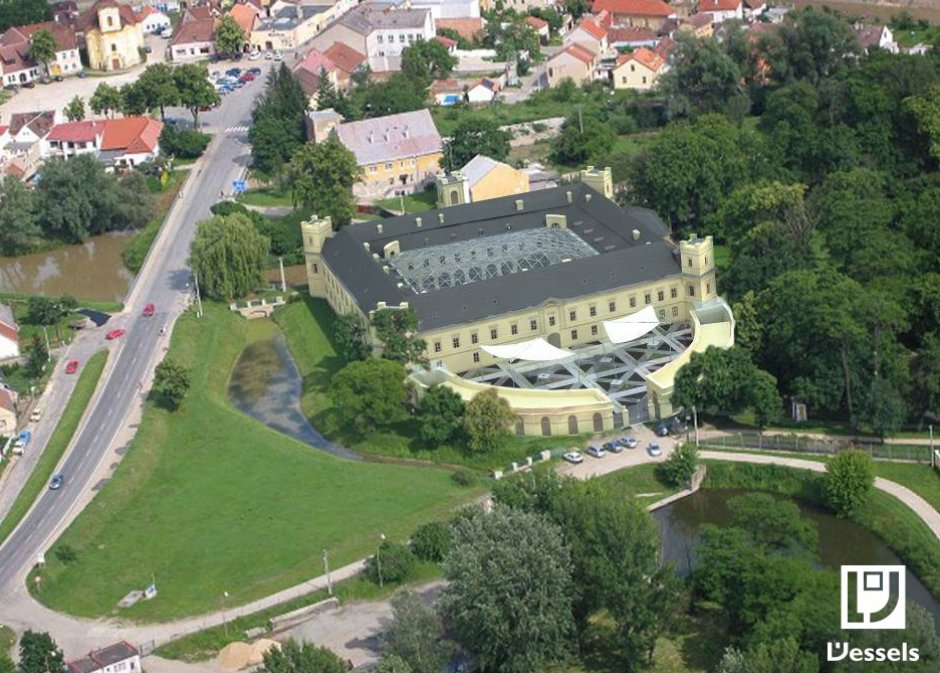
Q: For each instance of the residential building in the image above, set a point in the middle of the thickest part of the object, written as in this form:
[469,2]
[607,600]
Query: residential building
[8,419]
[449,9]
[379,30]
[118,658]
[114,38]
[541,28]
[643,13]
[194,37]
[310,73]
[480,179]
[18,67]
[27,141]
[398,154]
[9,334]
[872,37]
[631,37]
[119,143]
[699,25]
[721,10]
[347,61]
[469,29]
[449,44]
[574,62]
[589,35]
[639,70]
[287,26]
[152,20]
[565,266]
[246,16]
[754,8]
[523,6]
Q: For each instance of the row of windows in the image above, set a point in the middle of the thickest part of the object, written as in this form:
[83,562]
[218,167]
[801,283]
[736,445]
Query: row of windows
[389,166]
[402,37]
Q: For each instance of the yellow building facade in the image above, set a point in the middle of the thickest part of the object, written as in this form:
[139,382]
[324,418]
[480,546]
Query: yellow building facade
[114,38]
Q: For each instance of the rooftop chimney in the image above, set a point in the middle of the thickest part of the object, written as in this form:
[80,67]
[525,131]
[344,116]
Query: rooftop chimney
[370,137]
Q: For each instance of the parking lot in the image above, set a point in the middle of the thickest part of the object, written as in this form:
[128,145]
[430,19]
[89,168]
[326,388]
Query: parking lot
[611,462]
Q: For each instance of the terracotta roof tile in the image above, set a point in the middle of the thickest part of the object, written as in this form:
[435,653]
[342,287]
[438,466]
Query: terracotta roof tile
[634,7]
[630,34]
[446,41]
[88,19]
[133,135]
[579,52]
[468,29]
[345,57]
[533,21]
[77,132]
[644,57]
[593,29]
[718,5]
[244,16]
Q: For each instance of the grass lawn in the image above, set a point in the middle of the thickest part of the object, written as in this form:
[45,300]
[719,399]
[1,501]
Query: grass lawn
[55,448]
[265,196]
[640,480]
[306,324]
[209,500]
[135,252]
[414,203]
[7,638]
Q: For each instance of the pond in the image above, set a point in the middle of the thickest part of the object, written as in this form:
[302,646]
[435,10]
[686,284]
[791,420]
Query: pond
[841,542]
[267,385]
[93,270]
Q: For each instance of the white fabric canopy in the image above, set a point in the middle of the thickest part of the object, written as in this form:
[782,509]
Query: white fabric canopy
[632,326]
[536,350]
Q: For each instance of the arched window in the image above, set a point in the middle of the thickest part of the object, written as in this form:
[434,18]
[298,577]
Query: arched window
[453,197]
[598,422]
[546,426]
[572,425]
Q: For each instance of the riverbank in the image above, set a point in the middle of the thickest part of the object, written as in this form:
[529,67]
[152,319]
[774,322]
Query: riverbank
[209,501]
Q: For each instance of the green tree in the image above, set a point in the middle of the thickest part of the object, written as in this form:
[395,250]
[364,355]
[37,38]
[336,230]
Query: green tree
[370,394]
[22,12]
[509,591]
[106,100]
[228,255]
[688,170]
[818,44]
[486,421]
[6,663]
[775,524]
[183,143]
[919,633]
[37,356]
[473,136]
[748,330]
[293,657]
[321,177]
[399,93]
[42,48]
[783,656]
[391,563]
[925,370]
[703,78]
[396,329]
[39,653]
[681,465]
[431,541]
[415,635]
[158,85]
[850,476]
[351,337]
[390,663]
[134,99]
[194,88]
[582,138]
[426,61]
[44,311]
[229,36]
[75,110]
[171,381]
[440,415]
[18,226]
[327,97]
[277,128]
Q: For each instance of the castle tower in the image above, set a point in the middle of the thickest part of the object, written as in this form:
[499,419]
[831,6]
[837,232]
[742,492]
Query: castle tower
[315,231]
[698,268]
[601,180]
[453,189]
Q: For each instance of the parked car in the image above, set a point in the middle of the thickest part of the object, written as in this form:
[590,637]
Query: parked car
[233,72]
[268,55]
[22,441]
[661,430]
[71,367]
[574,457]
[254,56]
[35,415]
[654,450]
[45,80]
[255,71]
[596,452]
[149,310]
[57,482]
[629,442]
[59,78]
[247,77]
[29,85]
[278,56]
[82,74]
[115,334]
[612,447]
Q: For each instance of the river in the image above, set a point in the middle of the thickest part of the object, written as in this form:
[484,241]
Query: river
[841,542]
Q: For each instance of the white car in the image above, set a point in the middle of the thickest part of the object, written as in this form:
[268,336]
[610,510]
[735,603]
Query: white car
[35,416]
[574,457]
[278,56]
[654,450]
[254,56]
[268,55]
[630,442]
[596,452]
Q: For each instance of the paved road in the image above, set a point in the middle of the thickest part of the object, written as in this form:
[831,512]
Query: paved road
[164,281]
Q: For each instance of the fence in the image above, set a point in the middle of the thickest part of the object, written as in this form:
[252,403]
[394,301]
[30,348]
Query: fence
[797,444]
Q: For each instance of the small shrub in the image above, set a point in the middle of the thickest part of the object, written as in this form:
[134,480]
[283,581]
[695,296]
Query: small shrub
[185,143]
[65,553]
[680,466]
[850,476]
[464,477]
[539,127]
[432,541]
[394,561]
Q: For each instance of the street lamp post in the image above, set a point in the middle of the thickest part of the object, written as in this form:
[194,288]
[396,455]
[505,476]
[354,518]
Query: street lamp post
[326,567]
[224,620]
[378,557]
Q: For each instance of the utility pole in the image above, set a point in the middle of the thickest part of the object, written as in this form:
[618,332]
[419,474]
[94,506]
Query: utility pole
[580,118]
[326,567]
[280,261]
[45,331]
[198,295]
[695,421]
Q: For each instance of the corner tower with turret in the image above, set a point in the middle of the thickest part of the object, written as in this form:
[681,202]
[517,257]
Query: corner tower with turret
[698,268]
[315,231]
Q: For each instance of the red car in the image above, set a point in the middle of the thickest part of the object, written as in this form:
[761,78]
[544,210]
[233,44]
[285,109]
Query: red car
[247,77]
[115,333]
[149,310]
[71,367]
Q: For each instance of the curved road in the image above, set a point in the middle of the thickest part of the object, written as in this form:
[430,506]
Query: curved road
[163,281]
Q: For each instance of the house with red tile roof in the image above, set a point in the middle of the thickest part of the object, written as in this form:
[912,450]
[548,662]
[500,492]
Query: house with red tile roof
[721,10]
[448,44]
[589,35]
[540,26]
[8,419]
[347,61]
[194,37]
[152,20]
[246,16]
[9,334]
[310,72]
[637,70]
[18,67]
[470,29]
[642,13]
[879,36]
[700,25]
[573,62]
[120,143]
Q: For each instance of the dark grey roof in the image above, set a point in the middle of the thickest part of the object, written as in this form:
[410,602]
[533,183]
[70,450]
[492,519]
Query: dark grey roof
[606,226]
[102,658]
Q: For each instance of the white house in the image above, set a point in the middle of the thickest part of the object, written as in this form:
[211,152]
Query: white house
[153,20]
[449,9]
[129,141]
[870,37]
[721,10]
[121,657]
[9,334]
[482,92]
